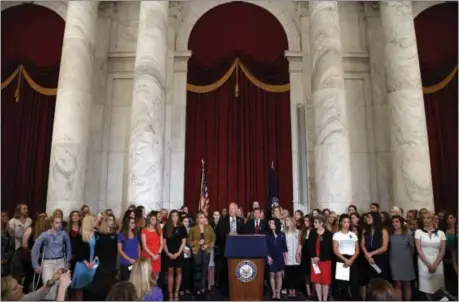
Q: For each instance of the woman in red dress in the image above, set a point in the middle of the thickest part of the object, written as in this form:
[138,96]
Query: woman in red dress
[321,252]
[152,243]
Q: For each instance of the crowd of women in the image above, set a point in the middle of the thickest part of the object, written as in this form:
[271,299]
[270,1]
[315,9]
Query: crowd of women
[143,255]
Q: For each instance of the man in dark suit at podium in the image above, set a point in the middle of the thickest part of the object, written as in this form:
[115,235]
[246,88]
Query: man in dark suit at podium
[256,226]
[231,224]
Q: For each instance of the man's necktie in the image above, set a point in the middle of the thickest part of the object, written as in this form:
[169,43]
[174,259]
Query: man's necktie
[233,225]
[256,227]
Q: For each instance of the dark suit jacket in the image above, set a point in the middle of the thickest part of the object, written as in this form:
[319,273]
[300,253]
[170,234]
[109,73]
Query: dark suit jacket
[224,229]
[250,227]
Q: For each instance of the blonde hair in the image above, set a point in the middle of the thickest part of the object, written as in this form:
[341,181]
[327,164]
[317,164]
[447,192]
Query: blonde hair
[141,277]
[58,211]
[7,287]
[397,210]
[87,227]
[292,228]
[104,227]
[42,224]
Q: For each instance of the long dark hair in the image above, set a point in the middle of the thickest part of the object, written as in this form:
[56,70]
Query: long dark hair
[170,224]
[377,222]
[126,227]
[358,227]
[157,226]
[387,222]
[402,224]
[277,223]
[70,222]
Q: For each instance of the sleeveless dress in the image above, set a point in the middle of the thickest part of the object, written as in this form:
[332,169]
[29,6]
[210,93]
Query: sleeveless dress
[153,241]
[82,276]
[372,243]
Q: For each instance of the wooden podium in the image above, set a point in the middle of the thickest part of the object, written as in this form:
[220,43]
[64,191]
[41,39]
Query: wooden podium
[246,256]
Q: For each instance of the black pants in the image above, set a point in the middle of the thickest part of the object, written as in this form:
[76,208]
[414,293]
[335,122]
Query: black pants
[187,274]
[200,266]
[224,281]
[342,287]
[125,273]
[292,276]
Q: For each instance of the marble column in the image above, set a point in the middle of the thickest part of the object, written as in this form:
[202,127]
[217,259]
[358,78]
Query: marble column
[411,174]
[67,171]
[146,150]
[332,152]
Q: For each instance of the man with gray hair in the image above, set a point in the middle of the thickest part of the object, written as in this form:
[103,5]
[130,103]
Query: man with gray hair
[228,225]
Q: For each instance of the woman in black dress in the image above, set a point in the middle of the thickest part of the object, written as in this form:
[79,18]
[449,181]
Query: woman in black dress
[305,257]
[374,244]
[187,268]
[175,236]
[106,250]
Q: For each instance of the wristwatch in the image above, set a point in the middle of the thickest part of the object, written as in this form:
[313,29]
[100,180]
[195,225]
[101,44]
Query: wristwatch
[50,283]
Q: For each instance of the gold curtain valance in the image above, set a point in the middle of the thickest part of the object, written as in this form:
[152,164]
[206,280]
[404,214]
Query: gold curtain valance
[442,84]
[236,66]
[21,72]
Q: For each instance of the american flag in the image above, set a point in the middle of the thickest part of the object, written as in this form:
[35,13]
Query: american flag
[204,200]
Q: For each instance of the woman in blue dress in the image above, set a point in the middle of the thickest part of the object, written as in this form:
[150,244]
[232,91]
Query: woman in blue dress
[277,254]
[86,263]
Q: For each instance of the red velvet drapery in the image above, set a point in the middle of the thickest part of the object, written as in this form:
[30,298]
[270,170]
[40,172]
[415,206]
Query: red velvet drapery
[436,33]
[32,36]
[238,136]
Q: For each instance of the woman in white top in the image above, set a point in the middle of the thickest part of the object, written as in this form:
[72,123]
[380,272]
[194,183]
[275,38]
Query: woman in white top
[430,245]
[346,249]
[16,228]
[292,266]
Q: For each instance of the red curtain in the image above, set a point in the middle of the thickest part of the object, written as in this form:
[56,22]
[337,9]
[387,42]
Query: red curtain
[32,36]
[238,136]
[436,33]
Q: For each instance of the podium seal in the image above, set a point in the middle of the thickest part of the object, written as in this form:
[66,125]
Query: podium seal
[246,271]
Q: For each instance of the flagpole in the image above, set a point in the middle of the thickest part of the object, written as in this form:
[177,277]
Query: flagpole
[202,182]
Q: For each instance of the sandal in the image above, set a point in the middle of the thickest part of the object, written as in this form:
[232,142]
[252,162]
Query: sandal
[176,297]
[171,296]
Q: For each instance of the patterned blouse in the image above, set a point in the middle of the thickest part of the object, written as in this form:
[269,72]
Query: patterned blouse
[292,246]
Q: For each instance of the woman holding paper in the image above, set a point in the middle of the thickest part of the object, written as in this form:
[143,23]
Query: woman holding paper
[375,245]
[321,251]
[430,245]
[128,247]
[346,249]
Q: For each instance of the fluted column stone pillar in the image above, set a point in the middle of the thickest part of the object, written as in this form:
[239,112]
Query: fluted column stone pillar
[67,171]
[146,150]
[411,173]
[332,152]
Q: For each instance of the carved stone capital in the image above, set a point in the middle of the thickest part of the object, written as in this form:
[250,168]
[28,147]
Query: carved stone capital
[371,9]
[302,8]
[176,13]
